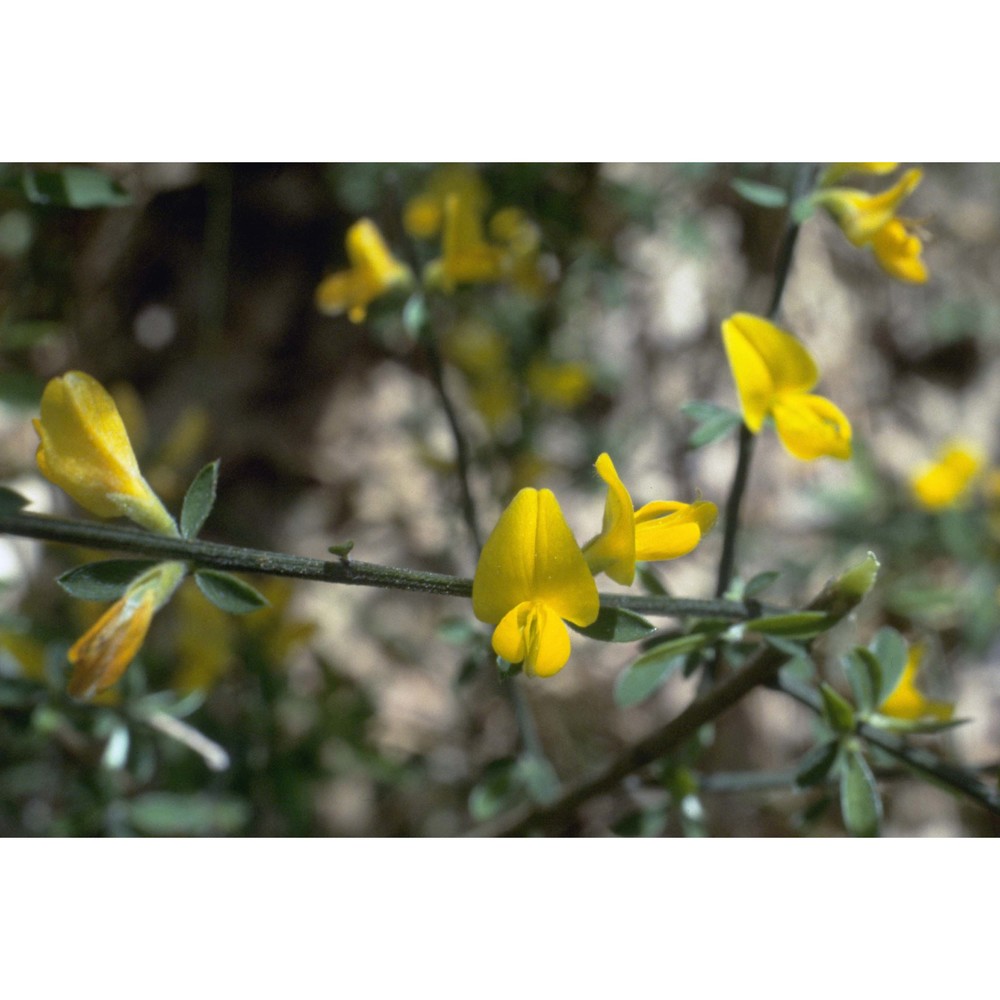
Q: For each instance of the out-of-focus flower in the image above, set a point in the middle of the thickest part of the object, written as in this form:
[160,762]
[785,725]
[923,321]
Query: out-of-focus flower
[481,353]
[85,450]
[466,257]
[946,481]
[25,652]
[424,213]
[532,575]
[523,239]
[373,272]
[871,220]
[663,529]
[905,701]
[101,655]
[774,373]
[562,384]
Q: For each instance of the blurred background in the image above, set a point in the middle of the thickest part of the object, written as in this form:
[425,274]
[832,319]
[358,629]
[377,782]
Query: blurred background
[189,290]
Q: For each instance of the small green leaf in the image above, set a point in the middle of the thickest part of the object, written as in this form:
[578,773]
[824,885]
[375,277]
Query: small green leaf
[713,422]
[865,676]
[647,577]
[856,582]
[797,625]
[228,592]
[415,315]
[860,802]
[680,645]
[106,580]
[837,710]
[616,625]
[765,195]
[11,501]
[816,764]
[539,778]
[758,584]
[637,684]
[914,726]
[890,649]
[74,187]
[166,814]
[497,790]
[199,500]
[343,549]
[802,209]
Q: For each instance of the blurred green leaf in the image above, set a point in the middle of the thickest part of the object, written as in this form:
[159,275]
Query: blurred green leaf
[765,195]
[914,726]
[616,625]
[496,791]
[802,209]
[837,710]
[73,187]
[798,624]
[864,673]
[11,501]
[890,649]
[760,583]
[415,315]
[641,678]
[713,422]
[816,764]
[106,580]
[538,778]
[860,802]
[199,500]
[228,592]
[164,814]
[647,577]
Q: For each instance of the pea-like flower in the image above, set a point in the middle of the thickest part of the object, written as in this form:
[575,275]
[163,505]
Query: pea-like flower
[906,701]
[871,220]
[945,482]
[532,575]
[85,450]
[774,373]
[424,212]
[102,654]
[466,256]
[372,273]
[663,529]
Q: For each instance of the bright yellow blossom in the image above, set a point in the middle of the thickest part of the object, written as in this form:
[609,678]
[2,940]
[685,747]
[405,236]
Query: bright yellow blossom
[466,257]
[774,373]
[871,220]
[373,271]
[85,450]
[663,529]
[532,575]
[563,384]
[101,655]
[907,702]
[424,213]
[945,481]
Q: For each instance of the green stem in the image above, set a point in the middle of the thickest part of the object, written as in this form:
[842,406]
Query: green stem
[212,555]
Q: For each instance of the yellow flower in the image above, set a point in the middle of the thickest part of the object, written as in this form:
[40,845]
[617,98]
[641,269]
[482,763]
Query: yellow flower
[532,575]
[523,239]
[773,374]
[424,213]
[945,481]
[373,271]
[101,655]
[563,384]
[663,529]
[85,450]
[870,220]
[466,257]
[906,702]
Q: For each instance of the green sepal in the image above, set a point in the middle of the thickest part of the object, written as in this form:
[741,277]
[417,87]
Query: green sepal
[11,501]
[797,625]
[199,500]
[765,195]
[106,580]
[816,764]
[860,802]
[837,710]
[713,422]
[228,592]
[74,187]
[616,625]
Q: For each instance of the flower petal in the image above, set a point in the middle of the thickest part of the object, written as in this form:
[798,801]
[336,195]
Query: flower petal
[906,701]
[666,529]
[944,482]
[898,252]
[811,426]
[613,550]
[765,360]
